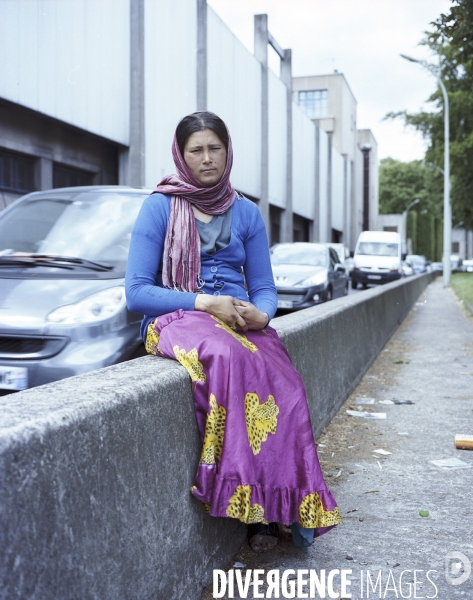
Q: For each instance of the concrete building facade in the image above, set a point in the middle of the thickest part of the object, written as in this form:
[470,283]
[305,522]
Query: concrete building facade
[330,103]
[96,93]
[462,243]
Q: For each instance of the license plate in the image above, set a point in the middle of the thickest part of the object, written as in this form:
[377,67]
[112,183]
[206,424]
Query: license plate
[13,378]
[285,303]
[374,276]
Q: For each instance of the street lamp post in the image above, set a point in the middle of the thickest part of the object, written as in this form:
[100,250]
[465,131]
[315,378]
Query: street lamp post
[404,221]
[447,211]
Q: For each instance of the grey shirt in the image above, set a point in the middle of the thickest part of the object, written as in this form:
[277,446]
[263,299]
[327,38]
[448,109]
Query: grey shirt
[216,234]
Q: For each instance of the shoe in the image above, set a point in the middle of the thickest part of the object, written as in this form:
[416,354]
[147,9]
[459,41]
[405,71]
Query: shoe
[263,538]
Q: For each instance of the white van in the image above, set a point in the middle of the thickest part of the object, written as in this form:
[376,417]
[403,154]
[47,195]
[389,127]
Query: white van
[377,259]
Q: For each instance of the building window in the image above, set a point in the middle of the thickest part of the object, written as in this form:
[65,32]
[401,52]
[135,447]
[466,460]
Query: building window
[16,172]
[69,177]
[275,224]
[314,103]
[300,229]
[456,247]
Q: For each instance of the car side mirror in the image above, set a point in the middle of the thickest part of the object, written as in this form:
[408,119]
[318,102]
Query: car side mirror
[352,254]
[404,256]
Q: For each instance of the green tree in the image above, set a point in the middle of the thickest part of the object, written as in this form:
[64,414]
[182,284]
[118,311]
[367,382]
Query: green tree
[451,38]
[402,182]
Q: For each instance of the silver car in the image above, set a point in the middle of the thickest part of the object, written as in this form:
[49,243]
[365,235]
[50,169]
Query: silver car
[306,274]
[62,298]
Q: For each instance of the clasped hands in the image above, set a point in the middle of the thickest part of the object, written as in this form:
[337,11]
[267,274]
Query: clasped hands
[235,313]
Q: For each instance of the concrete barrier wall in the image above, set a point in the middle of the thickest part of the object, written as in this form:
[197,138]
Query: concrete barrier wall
[95,470]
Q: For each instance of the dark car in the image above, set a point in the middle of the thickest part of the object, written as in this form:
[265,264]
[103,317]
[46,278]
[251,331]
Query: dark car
[63,312]
[306,274]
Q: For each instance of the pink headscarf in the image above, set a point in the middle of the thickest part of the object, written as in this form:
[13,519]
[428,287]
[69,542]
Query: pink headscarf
[181,256]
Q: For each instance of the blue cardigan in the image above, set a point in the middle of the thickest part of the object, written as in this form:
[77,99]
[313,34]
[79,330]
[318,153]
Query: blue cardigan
[248,248]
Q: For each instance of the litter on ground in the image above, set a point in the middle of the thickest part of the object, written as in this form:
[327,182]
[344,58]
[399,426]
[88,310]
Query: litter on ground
[451,464]
[464,442]
[366,415]
[364,401]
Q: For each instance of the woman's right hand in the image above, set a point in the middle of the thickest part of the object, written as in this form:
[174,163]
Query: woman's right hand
[221,307]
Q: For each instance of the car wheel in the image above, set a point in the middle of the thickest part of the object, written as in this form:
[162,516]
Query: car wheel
[364,286]
[328,295]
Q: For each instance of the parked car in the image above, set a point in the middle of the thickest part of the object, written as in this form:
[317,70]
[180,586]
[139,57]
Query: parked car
[306,274]
[344,256]
[62,266]
[407,269]
[455,262]
[436,266]
[418,262]
[467,265]
[378,258]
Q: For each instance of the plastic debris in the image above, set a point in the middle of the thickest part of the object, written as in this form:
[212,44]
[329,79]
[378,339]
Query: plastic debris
[364,400]
[239,565]
[464,442]
[451,464]
[321,445]
[379,465]
[366,415]
[402,433]
[403,402]
[385,402]
[423,513]
[338,474]
[383,452]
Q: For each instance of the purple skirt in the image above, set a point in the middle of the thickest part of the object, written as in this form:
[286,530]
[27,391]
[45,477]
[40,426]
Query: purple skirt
[259,461]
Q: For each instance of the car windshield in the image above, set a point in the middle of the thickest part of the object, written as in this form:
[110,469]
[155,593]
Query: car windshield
[377,249]
[295,254]
[95,226]
[415,259]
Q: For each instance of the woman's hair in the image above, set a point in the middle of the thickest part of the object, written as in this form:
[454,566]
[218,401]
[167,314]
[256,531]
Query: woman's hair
[199,121]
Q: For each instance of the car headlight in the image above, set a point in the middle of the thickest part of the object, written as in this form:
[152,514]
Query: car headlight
[98,307]
[316,279]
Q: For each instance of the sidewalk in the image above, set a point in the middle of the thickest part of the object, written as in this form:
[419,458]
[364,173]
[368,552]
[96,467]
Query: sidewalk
[429,361]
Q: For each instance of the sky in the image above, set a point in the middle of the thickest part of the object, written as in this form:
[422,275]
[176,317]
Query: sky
[361,39]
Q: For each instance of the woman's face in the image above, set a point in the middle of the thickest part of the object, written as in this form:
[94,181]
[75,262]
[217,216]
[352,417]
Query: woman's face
[206,157]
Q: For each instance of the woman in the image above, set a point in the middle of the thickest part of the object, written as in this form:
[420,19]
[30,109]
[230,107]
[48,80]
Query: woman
[199,270]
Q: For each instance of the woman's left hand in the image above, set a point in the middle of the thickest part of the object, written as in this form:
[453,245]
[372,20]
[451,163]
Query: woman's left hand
[254,318]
